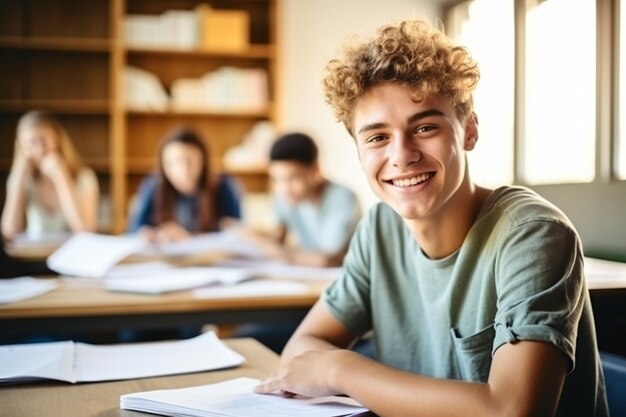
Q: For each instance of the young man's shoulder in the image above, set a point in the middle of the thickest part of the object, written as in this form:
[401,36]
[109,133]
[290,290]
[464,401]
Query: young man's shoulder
[520,205]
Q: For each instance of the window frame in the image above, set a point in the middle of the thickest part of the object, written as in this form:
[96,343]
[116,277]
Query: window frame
[607,140]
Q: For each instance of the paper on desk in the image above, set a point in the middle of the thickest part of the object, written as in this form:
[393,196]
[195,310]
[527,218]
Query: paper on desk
[153,280]
[602,274]
[22,288]
[21,363]
[92,255]
[80,362]
[253,289]
[235,398]
[221,242]
[141,360]
[283,270]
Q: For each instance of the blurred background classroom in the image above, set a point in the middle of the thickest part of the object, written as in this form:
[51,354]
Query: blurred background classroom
[120,74]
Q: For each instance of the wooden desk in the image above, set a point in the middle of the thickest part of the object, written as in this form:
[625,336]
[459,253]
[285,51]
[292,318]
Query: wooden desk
[83,305]
[102,399]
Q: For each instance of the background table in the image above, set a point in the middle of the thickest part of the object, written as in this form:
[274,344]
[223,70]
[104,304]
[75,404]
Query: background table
[80,305]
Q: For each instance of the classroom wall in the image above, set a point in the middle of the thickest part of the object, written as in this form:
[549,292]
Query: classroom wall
[310,33]
[598,210]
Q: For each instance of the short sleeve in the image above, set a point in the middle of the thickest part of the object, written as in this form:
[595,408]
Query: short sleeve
[540,286]
[348,298]
[341,217]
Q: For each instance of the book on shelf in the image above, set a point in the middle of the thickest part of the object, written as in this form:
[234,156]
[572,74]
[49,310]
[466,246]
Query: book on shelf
[236,398]
[81,362]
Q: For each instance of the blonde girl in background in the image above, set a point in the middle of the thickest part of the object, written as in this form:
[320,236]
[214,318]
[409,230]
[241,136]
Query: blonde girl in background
[48,191]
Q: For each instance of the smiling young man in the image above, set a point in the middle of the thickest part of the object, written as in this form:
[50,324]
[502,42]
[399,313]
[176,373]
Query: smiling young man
[476,297]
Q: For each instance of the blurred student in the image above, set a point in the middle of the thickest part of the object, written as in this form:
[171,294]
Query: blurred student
[319,215]
[183,197]
[48,189]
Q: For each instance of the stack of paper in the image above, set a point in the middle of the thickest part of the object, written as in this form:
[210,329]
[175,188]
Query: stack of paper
[235,398]
[149,279]
[80,362]
[22,288]
[602,274]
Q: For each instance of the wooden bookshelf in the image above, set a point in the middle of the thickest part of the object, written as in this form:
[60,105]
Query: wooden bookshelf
[68,57]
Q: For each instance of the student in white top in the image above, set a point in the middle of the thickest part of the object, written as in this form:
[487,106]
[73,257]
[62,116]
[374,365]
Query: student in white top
[48,189]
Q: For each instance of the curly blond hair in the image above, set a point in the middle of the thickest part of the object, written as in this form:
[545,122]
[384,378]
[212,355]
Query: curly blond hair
[411,53]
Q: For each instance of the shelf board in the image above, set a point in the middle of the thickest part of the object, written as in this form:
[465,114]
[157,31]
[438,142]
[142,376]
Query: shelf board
[235,113]
[73,106]
[253,171]
[139,165]
[252,52]
[56,44]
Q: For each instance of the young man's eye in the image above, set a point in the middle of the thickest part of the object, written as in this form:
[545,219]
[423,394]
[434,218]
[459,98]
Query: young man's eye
[425,129]
[375,139]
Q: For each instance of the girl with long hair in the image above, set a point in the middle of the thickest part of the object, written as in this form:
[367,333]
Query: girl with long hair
[48,189]
[183,197]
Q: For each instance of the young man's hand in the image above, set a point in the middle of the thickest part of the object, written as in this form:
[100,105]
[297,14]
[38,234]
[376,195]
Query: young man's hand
[311,374]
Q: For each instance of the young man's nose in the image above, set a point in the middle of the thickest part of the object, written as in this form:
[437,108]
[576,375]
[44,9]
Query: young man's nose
[403,151]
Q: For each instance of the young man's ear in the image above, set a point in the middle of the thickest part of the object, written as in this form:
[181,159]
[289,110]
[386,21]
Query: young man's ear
[471,132]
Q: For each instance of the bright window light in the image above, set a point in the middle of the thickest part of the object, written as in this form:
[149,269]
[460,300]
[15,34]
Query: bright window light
[560,96]
[486,28]
[621,144]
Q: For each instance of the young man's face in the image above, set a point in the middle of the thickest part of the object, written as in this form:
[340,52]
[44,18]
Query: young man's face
[292,182]
[413,154]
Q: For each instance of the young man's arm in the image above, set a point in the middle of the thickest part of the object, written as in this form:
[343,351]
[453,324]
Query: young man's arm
[525,379]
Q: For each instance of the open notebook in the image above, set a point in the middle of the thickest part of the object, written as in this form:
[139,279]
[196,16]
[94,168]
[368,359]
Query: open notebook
[80,362]
[235,398]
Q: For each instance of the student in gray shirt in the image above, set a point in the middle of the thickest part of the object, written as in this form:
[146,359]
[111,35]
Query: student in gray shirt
[477,297]
[317,215]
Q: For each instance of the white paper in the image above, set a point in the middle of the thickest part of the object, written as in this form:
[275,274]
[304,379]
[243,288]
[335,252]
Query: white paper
[22,288]
[602,274]
[54,360]
[220,242]
[174,279]
[253,289]
[80,362]
[283,270]
[138,269]
[92,255]
[235,398]
[140,360]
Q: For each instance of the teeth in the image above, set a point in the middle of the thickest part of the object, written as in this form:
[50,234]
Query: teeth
[405,182]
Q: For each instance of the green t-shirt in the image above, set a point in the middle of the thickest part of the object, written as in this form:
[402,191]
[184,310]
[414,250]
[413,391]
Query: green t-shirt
[517,276]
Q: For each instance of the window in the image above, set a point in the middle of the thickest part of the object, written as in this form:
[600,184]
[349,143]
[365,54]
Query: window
[560,94]
[551,44]
[621,125]
[486,29]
